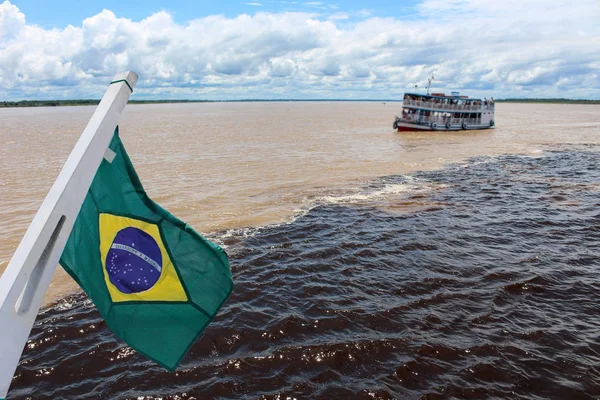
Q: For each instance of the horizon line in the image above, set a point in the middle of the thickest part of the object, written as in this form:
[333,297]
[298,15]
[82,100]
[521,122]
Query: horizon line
[58,102]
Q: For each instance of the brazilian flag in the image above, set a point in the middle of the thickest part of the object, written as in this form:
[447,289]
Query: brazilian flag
[156,281]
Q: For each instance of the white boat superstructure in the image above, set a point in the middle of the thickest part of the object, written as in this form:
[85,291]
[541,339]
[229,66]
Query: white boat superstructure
[439,112]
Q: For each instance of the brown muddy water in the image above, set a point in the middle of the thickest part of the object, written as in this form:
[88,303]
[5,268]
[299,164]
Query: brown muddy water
[367,263]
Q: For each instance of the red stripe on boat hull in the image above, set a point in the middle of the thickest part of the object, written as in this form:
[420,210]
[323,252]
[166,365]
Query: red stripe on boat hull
[412,129]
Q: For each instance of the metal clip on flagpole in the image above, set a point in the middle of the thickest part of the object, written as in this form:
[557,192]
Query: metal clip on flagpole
[26,279]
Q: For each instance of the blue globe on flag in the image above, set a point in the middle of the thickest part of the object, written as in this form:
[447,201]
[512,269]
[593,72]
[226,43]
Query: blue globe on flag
[134,261]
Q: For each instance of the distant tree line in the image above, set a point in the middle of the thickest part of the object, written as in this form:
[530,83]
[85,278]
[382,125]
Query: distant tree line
[48,103]
[92,102]
[56,103]
[560,101]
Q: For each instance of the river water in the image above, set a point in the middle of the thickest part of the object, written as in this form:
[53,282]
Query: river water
[367,263]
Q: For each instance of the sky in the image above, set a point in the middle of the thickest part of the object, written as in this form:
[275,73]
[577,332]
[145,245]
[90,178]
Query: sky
[275,49]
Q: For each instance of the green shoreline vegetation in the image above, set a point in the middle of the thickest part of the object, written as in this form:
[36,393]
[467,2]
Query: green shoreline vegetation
[554,101]
[83,102]
[91,102]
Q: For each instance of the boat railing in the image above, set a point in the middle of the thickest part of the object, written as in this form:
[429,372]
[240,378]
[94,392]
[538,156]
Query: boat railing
[423,120]
[439,106]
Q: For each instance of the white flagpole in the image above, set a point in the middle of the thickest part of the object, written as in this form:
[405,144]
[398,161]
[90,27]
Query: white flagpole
[27,276]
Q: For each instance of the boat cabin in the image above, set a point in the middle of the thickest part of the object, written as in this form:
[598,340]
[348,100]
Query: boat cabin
[452,102]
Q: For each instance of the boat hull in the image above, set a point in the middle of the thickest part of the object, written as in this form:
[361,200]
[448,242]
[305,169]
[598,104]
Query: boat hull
[408,127]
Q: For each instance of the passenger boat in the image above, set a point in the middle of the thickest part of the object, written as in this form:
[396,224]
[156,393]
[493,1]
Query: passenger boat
[440,112]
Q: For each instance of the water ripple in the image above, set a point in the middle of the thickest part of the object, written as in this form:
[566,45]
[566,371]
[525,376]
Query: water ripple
[475,281]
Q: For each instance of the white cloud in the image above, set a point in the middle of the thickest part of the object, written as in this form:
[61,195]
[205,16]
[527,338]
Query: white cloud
[339,17]
[281,67]
[11,21]
[482,47]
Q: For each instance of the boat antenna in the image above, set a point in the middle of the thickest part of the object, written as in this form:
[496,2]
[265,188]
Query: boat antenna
[429,82]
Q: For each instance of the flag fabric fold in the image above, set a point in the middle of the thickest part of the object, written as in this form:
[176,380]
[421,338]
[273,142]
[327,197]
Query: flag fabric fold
[156,281]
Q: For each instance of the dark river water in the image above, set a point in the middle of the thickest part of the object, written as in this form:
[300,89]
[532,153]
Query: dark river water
[478,280]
